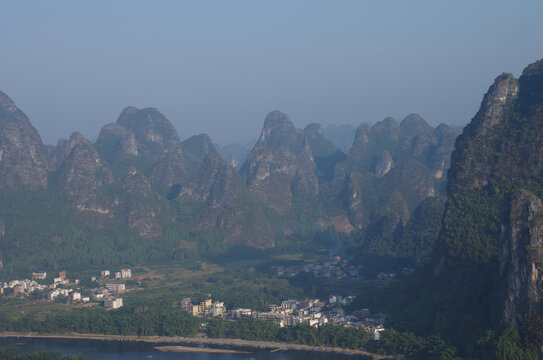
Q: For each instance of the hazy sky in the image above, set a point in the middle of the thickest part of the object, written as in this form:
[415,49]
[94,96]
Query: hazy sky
[220,66]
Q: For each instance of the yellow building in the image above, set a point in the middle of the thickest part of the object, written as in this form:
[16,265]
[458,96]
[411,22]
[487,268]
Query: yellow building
[206,304]
[194,310]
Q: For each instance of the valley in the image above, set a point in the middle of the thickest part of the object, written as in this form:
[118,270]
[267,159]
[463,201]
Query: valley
[413,242]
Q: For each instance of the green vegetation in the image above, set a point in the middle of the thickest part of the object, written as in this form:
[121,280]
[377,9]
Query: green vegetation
[413,347]
[157,318]
[327,335]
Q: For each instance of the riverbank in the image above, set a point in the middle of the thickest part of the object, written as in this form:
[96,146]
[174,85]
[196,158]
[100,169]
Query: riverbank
[191,349]
[236,343]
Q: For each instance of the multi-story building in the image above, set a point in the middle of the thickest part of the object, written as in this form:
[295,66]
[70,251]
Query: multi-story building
[194,310]
[111,303]
[126,273]
[206,304]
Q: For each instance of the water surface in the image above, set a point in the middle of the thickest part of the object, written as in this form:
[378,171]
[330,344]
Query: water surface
[124,350]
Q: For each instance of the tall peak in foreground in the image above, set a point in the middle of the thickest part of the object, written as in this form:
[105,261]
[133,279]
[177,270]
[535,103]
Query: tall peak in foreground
[490,245]
[502,92]
[531,93]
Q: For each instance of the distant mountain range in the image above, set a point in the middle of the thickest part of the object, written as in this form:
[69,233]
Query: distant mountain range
[139,193]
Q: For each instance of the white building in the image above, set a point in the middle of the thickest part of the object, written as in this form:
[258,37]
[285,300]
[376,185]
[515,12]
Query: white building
[53,295]
[111,303]
[126,273]
[39,275]
[118,275]
[238,313]
[76,296]
[104,273]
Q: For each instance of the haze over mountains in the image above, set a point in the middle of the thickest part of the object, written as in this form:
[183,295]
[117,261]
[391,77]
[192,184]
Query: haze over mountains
[469,218]
[138,175]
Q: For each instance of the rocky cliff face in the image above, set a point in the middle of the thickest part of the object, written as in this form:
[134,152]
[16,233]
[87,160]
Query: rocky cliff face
[231,208]
[115,141]
[139,210]
[408,159]
[520,254]
[23,161]
[493,219]
[84,176]
[139,176]
[471,168]
[281,165]
[439,159]
[384,164]
[160,156]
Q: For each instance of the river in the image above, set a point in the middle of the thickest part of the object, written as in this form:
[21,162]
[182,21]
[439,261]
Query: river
[109,350]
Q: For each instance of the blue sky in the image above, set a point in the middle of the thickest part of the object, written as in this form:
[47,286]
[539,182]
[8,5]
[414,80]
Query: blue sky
[219,67]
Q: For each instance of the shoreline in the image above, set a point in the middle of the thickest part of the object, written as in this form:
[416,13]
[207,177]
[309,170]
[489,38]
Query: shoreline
[239,343]
[190,349]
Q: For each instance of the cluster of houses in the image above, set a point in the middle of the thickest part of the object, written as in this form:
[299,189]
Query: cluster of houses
[123,274]
[62,286]
[110,292]
[204,308]
[293,312]
[335,268]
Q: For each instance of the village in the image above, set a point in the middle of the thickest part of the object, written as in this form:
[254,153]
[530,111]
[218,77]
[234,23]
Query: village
[335,268]
[312,312]
[108,291]
[64,290]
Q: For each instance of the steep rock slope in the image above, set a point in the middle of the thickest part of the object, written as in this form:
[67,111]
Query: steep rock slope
[520,256]
[23,160]
[391,169]
[486,271]
[281,165]
[497,182]
[83,177]
[160,156]
[229,206]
